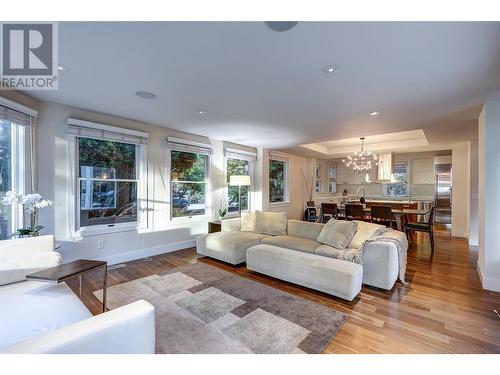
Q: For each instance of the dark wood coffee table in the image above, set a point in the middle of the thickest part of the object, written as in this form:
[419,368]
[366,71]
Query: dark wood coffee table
[77,268]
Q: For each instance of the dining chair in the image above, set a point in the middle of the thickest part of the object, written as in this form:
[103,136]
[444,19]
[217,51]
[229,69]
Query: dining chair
[310,213]
[422,227]
[354,212]
[381,215]
[328,211]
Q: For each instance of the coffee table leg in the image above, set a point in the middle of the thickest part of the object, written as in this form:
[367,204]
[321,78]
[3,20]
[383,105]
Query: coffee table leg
[104,288]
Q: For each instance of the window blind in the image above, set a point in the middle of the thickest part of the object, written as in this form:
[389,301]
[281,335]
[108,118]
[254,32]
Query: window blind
[87,129]
[16,116]
[400,167]
[184,145]
[239,154]
[278,156]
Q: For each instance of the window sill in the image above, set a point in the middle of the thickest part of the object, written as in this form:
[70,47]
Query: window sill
[98,230]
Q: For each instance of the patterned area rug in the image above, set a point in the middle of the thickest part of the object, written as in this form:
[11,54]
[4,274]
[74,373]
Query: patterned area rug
[202,309]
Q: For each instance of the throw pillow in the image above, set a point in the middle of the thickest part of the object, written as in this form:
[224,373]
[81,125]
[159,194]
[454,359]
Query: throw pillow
[338,233]
[272,223]
[366,231]
[247,222]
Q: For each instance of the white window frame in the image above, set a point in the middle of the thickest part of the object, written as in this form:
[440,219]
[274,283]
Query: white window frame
[284,159]
[251,169]
[23,160]
[74,228]
[332,179]
[208,189]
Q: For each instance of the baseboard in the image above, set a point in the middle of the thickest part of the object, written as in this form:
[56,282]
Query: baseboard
[143,253]
[488,283]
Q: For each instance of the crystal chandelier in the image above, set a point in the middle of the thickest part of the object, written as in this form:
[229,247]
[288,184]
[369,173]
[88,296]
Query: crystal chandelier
[361,162]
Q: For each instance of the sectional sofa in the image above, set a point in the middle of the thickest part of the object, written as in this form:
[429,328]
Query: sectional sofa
[298,257]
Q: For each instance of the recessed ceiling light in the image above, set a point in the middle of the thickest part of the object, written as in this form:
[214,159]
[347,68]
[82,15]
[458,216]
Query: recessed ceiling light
[201,112]
[281,26]
[331,68]
[374,113]
[61,67]
[145,94]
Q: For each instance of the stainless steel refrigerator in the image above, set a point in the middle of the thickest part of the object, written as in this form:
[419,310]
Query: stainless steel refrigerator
[443,193]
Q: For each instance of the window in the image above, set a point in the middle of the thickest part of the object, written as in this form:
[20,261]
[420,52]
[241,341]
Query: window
[188,183]
[278,179]
[15,154]
[318,178]
[237,167]
[108,179]
[399,186]
[110,175]
[332,178]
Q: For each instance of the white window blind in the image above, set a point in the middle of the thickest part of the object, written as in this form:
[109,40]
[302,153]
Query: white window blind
[278,156]
[184,145]
[17,113]
[232,153]
[87,129]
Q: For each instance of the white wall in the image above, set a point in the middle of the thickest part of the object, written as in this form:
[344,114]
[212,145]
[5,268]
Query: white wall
[474,187]
[460,213]
[489,197]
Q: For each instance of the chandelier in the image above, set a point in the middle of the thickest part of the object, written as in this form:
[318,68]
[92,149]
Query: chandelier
[361,162]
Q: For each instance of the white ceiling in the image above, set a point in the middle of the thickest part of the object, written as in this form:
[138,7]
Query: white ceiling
[264,88]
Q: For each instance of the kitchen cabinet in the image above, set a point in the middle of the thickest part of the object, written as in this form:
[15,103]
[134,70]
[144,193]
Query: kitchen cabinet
[422,171]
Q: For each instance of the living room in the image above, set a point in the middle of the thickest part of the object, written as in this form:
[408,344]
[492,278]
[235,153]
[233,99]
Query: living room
[249,187]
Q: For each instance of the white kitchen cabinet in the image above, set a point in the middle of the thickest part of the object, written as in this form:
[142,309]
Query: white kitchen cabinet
[422,171]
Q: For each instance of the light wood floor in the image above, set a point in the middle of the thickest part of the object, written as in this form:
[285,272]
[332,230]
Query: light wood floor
[442,310]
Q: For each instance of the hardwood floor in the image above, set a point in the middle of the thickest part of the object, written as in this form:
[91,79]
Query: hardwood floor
[442,310]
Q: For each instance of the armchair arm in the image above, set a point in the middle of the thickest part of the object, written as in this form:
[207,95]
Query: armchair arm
[14,267]
[30,245]
[129,329]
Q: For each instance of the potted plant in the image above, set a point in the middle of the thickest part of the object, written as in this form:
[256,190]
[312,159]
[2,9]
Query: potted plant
[31,204]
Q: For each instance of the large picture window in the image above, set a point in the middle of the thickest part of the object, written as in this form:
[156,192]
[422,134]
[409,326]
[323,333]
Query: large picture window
[332,178]
[108,179]
[278,181]
[188,183]
[237,167]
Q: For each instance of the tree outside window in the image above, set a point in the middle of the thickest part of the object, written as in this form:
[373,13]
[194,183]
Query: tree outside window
[237,167]
[5,176]
[108,182]
[277,181]
[188,185]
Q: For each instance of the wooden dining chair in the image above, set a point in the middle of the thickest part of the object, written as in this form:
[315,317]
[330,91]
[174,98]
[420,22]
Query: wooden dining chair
[328,211]
[354,212]
[422,227]
[381,215]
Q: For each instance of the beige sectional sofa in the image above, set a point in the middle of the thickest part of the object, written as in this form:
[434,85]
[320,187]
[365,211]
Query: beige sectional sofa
[298,256]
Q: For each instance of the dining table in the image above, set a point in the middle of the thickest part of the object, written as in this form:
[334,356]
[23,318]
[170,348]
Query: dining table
[397,213]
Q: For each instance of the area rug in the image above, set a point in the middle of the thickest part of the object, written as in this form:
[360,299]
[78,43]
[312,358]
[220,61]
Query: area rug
[202,309]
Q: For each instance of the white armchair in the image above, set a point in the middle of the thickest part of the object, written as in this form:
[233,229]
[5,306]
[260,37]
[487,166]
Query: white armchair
[23,256]
[49,318]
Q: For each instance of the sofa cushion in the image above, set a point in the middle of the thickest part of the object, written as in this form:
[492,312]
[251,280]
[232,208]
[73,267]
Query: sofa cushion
[350,255]
[247,221]
[366,231]
[338,233]
[229,247]
[272,223]
[295,243]
[36,307]
[304,229]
